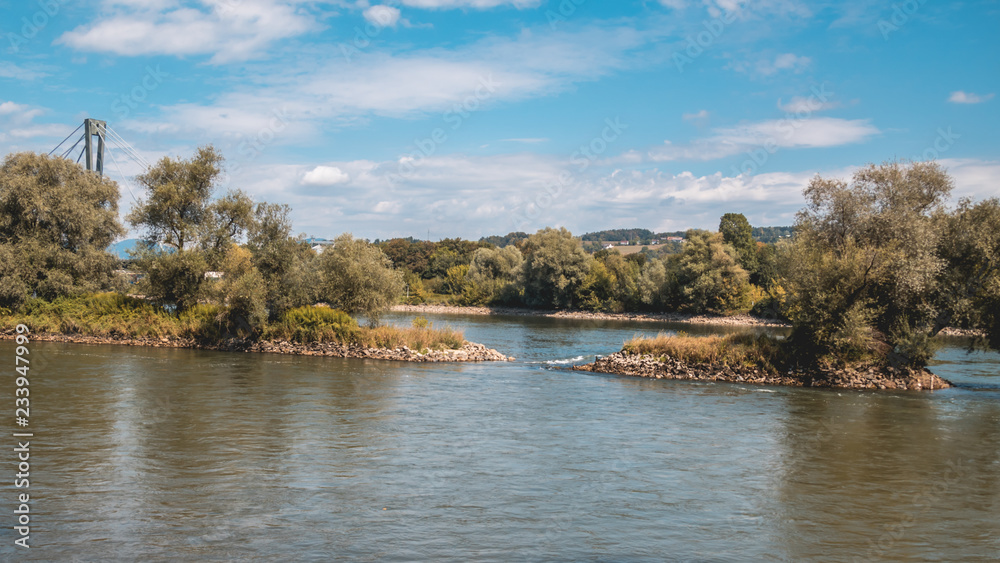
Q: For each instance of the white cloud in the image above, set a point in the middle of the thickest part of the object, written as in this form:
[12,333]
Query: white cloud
[8,108]
[463,81]
[786,61]
[325,176]
[960,97]
[11,70]
[382,16]
[479,4]
[216,27]
[778,133]
[696,116]
[806,105]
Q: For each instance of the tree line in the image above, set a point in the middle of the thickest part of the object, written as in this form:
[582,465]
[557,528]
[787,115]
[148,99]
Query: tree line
[877,266]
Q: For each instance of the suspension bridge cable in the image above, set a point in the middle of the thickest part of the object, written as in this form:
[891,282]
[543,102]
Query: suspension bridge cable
[82,151]
[66,139]
[70,150]
[124,179]
[129,148]
[132,155]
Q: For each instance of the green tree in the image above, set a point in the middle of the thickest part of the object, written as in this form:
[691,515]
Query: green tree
[879,265]
[286,264]
[555,267]
[737,232]
[185,229]
[495,273]
[708,278]
[358,278]
[56,223]
[179,193]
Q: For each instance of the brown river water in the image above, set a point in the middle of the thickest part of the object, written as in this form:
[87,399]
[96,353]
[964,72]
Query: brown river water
[184,455]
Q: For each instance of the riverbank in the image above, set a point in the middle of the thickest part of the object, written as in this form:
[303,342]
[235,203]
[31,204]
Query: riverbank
[737,320]
[469,352]
[865,377]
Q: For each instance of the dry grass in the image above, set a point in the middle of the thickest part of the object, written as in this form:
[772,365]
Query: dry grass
[736,350]
[416,338]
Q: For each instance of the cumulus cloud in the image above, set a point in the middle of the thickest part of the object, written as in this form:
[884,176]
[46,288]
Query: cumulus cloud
[960,97]
[158,28]
[383,16]
[806,104]
[325,176]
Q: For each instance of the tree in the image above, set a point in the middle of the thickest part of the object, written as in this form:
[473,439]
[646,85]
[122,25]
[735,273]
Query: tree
[185,229]
[358,278]
[879,265]
[286,264]
[737,232]
[179,193]
[554,269]
[57,220]
[708,278]
[243,292]
[495,274]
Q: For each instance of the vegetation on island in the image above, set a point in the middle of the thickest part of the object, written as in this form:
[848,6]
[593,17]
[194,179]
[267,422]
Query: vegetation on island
[872,271]
[210,267]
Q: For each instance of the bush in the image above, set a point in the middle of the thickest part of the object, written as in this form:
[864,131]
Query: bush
[315,324]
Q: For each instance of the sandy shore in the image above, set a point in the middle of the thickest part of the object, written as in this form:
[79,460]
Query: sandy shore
[739,320]
[470,351]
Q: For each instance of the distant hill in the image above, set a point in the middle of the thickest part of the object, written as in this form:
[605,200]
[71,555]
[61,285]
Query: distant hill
[121,248]
[771,234]
[619,235]
[506,240]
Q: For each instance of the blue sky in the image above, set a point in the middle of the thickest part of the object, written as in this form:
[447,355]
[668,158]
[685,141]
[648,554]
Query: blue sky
[477,117]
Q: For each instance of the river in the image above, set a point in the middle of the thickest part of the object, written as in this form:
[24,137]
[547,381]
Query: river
[172,454]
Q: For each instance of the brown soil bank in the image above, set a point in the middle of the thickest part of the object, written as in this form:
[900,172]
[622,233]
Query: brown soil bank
[470,351]
[869,377]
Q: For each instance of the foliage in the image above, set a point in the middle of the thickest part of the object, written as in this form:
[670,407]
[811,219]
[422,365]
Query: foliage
[707,277]
[495,274]
[736,232]
[286,264]
[177,207]
[555,268]
[243,291]
[171,278]
[879,265]
[114,315]
[314,324]
[358,278]
[56,222]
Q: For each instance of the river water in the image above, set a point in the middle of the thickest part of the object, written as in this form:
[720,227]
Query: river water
[166,454]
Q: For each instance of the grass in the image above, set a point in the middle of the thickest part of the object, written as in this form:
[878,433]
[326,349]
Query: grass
[735,350]
[113,315]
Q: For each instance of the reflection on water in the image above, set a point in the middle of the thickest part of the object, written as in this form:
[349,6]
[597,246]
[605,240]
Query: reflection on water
[179,454]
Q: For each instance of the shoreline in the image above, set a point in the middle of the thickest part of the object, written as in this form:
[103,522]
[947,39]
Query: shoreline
[864,377]
[469,352]
[735,320]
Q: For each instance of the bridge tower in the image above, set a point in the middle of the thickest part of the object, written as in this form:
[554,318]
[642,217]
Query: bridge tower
[94,128]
